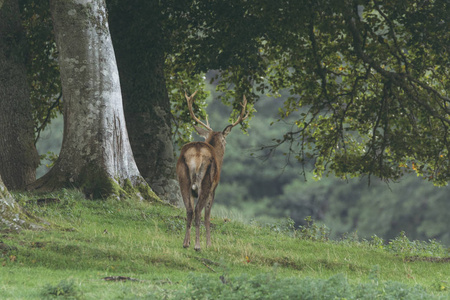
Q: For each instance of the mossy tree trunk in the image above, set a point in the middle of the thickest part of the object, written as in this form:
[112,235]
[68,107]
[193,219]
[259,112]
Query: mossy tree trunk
[95,154]
[12,217]
[139,45]
[18,156]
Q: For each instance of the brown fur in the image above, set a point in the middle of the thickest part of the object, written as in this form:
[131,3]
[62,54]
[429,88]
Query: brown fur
[198,170]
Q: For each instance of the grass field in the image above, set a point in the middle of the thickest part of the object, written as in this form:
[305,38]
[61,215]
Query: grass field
[109,249]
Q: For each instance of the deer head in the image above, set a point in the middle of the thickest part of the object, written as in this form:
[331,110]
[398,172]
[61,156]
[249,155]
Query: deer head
[198,171]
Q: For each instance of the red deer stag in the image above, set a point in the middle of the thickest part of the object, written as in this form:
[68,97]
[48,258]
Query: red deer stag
[198,171]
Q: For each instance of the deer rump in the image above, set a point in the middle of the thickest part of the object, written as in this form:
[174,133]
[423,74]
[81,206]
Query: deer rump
[197,169]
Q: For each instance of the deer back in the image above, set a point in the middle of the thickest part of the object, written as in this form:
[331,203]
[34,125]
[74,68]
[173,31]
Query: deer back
[197,160]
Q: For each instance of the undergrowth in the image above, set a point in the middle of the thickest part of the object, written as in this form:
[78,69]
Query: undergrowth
[268,286]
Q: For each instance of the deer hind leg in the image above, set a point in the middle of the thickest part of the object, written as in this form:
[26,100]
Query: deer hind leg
[198,213]
[189,215]
[203,199]
[207,219]
[188,199]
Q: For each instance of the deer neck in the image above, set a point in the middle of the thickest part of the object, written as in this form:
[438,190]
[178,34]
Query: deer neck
[219,149]
[220,152]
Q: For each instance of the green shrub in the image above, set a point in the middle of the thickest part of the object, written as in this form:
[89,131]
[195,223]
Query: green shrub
[402,245]
[311,231]
[65,289]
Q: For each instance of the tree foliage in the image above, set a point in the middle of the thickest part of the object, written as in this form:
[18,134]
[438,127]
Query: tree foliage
[371,84]
[368,81]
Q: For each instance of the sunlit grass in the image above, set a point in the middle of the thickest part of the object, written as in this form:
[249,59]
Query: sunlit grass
[90,240]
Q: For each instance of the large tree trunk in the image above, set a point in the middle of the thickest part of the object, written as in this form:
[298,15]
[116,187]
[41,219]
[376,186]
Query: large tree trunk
[139,46]
[18,156]
[12,217]
[95,154]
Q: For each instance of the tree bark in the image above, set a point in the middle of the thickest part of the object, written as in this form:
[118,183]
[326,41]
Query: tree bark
[95,154]
[12,217]
[18,155]
[139,46]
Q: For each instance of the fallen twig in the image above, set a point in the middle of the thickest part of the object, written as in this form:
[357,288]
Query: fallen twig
[206,263]
[119,278]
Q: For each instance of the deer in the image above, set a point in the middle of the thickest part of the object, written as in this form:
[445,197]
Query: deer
[198,171]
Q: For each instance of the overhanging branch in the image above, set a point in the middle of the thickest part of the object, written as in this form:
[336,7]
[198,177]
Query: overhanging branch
[404,80]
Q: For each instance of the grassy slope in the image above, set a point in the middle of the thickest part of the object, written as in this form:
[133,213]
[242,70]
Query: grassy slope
[95,239]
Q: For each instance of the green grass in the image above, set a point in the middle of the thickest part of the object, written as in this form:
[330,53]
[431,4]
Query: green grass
[92,240]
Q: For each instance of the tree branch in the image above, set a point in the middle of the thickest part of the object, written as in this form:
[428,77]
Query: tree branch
[398,79]
[47,117]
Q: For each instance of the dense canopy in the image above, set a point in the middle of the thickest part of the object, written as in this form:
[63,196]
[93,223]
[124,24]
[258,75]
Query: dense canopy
[367,80]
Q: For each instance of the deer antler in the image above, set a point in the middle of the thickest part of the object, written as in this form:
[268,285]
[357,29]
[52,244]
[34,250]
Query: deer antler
[190,101]
[241,116]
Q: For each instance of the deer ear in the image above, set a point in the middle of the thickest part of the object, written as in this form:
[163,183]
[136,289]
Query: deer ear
[202,131]
[227,130]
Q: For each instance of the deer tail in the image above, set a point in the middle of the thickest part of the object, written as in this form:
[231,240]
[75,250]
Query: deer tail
[197,178]
[194,188]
